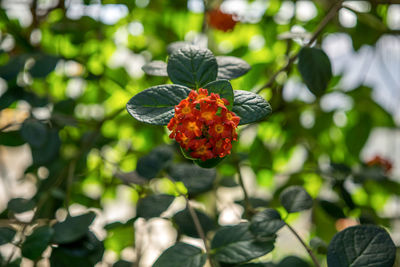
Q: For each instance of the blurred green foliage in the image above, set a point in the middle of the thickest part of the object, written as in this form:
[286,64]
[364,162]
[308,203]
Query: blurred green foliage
[81,71]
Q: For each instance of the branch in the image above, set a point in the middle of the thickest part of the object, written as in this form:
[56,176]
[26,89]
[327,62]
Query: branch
[199,229]
[248,208]
[329,16]
[314,259]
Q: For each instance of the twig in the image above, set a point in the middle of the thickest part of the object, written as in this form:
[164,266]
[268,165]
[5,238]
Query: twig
[249,211]
[314,259]
[199,229]
[331,14]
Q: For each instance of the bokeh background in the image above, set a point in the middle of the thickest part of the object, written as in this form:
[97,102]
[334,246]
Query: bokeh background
[73,66]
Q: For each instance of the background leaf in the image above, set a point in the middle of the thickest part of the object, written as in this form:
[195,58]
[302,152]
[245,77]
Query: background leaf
[266,223]
[295,199]
[230,68]
[36,243]
[315,69]
[73,228]
[153,206]
[156,68]
[186,226]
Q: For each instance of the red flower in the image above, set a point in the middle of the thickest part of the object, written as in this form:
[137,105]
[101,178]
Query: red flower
[220,20]
[203,125]
[385,164]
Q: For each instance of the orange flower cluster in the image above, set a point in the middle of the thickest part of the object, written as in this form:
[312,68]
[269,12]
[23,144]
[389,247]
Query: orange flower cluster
[385,164]
[203,125]
[220,20]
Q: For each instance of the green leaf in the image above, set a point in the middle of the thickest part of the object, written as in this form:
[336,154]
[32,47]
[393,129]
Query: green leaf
[192,67]
[292,261]
[150,165]
[230,68]
[153,206]
[10,70]
[6,235]
[332,209]
[156,68]
[357,134]
[236,244]
[250,107]
[361,246]
[37,242]
[48,151]
[315,69]
[11,138]
[181,255]
[86,251]
[266,223]
[20,205]
[44,64]
[123,263]
[34,132]
[196,180]
[186,226]
[295,199]
[73,228]
[209,163]
[223,88]
[155,105]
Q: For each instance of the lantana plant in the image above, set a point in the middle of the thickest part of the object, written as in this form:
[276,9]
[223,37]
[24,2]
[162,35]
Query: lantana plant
[200,108]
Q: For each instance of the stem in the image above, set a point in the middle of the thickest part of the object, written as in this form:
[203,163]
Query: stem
[249,211]
[199,229]
[331,14]
[314,259]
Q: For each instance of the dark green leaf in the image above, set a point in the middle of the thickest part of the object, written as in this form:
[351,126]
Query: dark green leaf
[86,251]
[34,132]
[357,135]
[231,67]
[6,235]
[209,163]
[361,246]
[44,64]
[332,209]
[155,105]
[197,180]
[223,88]
[315,69]
[150,165]
[37,242]
[11,138]
[293,261]
[156,68]
[153,206]
[181,255]
[266,223]
[236,244]
[122,263]
[295,198]
[13,67]
[192,67]
[48,151]
[20,205]
[250,107]
[73,228]
[186,226]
